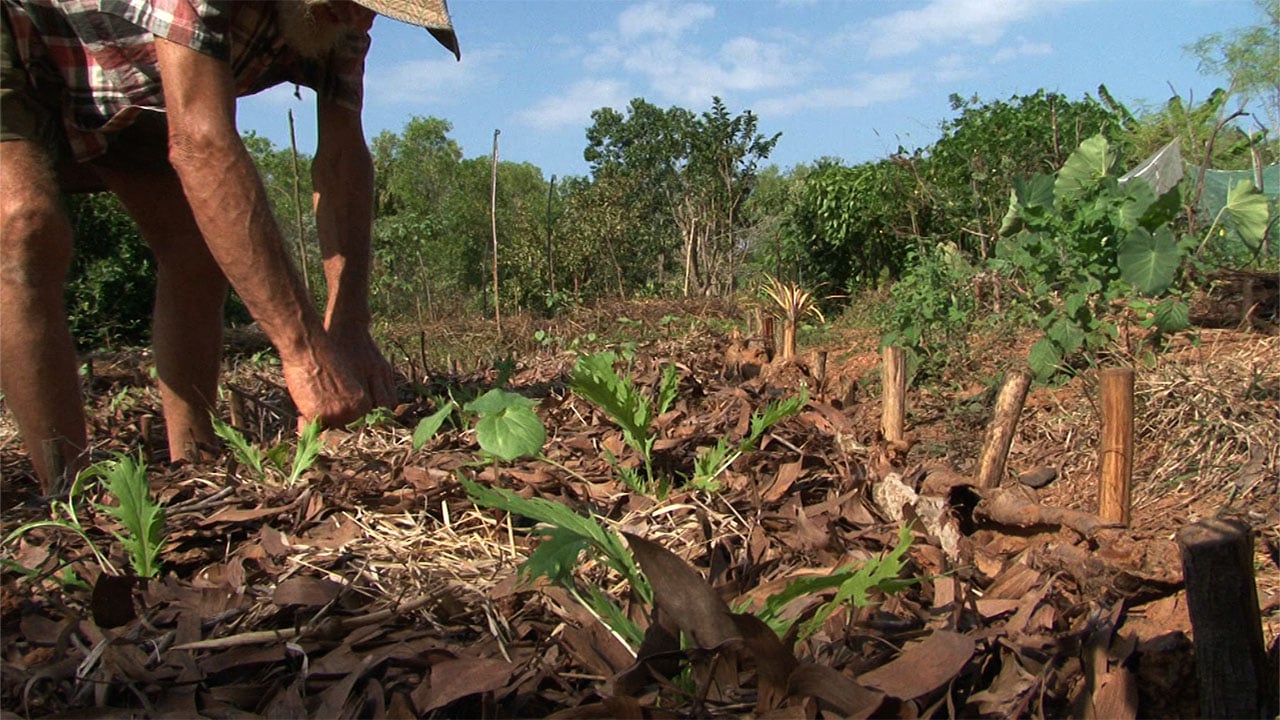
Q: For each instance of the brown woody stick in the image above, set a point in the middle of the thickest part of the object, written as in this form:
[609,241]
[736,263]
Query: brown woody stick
[1003,423]
[1116,385]
[766,332]
[1222,597]
[894,411]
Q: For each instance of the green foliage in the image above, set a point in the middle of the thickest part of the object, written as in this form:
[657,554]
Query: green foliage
[506,426]
[853,583]
[932,306]
[713,461]
[142,518]
[274,461]
[111,284]
[428,426]
[595,379]
[568,536]
[1248,56]
[1076,243]
[687,175]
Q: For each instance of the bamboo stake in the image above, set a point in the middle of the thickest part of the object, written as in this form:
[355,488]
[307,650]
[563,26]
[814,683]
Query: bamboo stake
[820,372]
[297,208]
[894,410]
[1116,461]
[1004,421]
[493,221]
[1222,598]
[766,333]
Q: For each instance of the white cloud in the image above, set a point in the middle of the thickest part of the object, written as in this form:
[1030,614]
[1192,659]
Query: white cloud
[865,91]
[414,82]
[661,18]
[1024,48]
[978,22]
[573,108]
[952,67]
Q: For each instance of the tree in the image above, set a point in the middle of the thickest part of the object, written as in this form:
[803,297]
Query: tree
[691,174]
[1249,56]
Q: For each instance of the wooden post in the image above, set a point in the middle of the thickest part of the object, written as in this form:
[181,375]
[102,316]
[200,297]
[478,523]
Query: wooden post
[1222,597]
[820,372]
[1004,421]
[894,411]
[766,332]
[1116,460]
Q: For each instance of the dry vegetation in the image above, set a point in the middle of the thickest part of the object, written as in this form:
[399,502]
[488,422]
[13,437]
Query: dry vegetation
[376,588]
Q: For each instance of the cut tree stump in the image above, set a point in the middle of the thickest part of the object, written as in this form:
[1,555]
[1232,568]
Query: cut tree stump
[1003,423]
[1222,597]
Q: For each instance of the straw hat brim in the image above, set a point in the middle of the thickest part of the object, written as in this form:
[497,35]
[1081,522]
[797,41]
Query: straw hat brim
[430,14]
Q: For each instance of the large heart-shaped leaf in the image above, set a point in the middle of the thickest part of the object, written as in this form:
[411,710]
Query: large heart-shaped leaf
[1149,261]
[511,433]
[1246,211]
[1087,166]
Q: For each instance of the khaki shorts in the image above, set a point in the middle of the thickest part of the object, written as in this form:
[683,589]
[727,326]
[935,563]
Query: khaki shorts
[25,112]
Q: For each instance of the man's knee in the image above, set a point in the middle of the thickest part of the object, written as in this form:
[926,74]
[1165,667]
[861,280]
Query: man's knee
[35,237]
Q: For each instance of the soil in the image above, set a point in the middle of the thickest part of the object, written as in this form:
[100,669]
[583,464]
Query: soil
[377,587]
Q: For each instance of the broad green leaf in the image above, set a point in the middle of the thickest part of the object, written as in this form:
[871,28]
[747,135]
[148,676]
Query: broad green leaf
[511,433]
[1044,359]
[668,388]
[1172,315]
[1136,199]
[1084,170]
[556,556]
[1066,335]
[430,425]
[1149,262]
[1246,209]
[497,400]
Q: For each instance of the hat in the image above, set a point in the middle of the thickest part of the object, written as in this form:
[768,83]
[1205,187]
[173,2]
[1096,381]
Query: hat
[430,14]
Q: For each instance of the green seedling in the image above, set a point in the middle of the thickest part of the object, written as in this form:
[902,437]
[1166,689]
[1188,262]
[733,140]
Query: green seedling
[506,426]
[595,379]
[140,515]
[713,461]
[376,417]
[273,460]
[567,536]
[853,584]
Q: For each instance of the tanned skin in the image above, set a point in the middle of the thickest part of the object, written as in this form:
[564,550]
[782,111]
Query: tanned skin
[223,232]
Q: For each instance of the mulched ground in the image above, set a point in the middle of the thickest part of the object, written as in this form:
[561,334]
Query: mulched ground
[376,588]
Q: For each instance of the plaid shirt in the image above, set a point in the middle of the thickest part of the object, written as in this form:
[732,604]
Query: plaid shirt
[100,54]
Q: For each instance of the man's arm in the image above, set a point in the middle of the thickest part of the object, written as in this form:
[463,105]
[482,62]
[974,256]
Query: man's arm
[229,204]
[342,177]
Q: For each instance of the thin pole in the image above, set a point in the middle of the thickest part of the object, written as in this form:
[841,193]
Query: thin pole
[297,207]
[493,220]
[1116,386]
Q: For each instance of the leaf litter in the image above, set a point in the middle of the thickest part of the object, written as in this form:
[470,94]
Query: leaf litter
[375,587]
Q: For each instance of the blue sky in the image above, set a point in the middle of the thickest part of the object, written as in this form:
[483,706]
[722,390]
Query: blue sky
[851,79]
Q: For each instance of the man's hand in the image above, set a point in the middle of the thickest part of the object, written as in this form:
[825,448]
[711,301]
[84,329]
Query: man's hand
[368,365]
[324,388]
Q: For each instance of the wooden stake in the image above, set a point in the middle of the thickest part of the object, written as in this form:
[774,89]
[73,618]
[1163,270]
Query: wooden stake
[820,372]
[1116,460]
[766,332]
[894,411]
[1004,421]
[297,208]
[1222,597]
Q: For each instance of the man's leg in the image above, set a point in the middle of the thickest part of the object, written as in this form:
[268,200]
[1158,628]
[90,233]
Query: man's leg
[37,356]
[190,293]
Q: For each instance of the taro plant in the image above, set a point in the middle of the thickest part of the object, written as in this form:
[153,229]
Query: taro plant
[1075,243]
[595,379]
